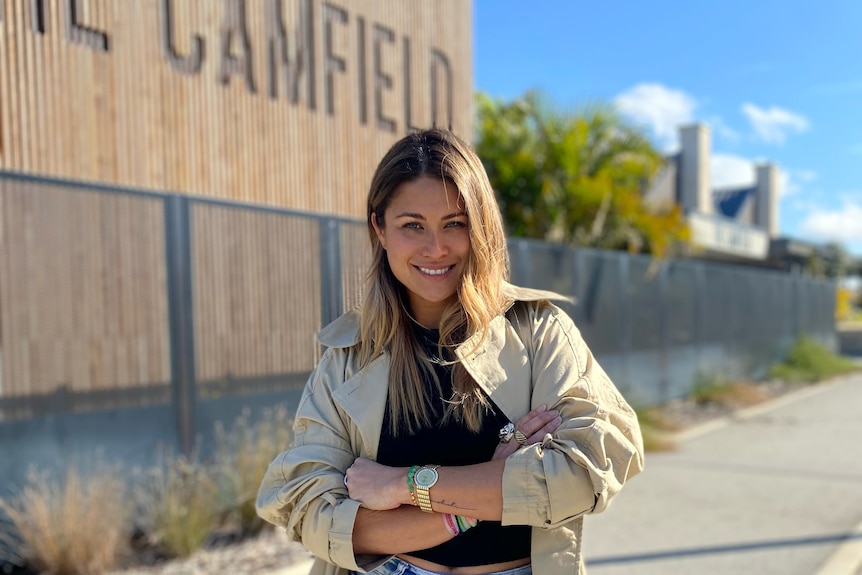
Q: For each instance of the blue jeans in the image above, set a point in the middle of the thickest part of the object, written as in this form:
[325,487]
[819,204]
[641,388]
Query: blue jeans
[396,566]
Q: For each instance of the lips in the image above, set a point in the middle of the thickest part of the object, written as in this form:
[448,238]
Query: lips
[435,272]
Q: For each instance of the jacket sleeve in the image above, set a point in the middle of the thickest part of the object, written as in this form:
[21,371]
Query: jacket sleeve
[597,447]
[303,489]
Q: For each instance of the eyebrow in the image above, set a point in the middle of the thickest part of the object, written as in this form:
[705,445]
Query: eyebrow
[421,217]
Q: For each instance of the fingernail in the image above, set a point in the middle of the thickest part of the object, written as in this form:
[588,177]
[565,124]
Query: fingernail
[542,408]
[555,413]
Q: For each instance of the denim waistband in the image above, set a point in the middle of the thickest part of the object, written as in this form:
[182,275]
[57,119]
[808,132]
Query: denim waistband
[396,566]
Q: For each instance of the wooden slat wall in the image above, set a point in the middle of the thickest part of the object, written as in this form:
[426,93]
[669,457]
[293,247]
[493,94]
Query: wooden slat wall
[257,292]
[83,299]
[355,260]
[128,117]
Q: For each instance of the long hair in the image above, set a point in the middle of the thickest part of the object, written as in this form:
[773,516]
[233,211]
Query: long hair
[385,322]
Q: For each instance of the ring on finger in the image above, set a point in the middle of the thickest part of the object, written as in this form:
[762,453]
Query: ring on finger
[520,437]
[507,432]
[345,479]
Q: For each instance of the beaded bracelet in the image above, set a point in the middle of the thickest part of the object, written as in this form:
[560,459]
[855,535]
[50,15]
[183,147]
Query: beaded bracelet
[411,486]
[458,524]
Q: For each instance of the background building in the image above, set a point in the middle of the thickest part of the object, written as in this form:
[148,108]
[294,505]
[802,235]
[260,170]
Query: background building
[736,225]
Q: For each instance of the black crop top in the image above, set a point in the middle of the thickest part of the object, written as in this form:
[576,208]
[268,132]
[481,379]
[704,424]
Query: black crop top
[451,443]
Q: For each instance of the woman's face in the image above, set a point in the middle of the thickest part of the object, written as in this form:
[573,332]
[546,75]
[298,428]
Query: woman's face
[427,242]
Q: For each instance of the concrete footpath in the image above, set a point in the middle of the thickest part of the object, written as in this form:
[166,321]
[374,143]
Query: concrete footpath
[775,489]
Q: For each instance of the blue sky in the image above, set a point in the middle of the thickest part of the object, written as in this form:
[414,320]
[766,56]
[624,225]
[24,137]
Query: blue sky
[777,81]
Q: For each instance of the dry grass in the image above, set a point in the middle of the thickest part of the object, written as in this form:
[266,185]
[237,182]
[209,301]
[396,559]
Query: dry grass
[176,506]
[735,394]
[712,397]
[83,524]
[243,453]
[77,526]
[656,429]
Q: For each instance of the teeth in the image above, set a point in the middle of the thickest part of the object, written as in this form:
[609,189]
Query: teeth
[439,272]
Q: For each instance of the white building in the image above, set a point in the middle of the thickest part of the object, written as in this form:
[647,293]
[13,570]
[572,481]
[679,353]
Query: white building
[734,224]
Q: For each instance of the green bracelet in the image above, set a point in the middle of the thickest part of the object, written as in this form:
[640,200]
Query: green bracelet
[465,523]
[410,484]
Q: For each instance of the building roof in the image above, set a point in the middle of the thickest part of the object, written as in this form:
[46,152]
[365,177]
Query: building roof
[729,202]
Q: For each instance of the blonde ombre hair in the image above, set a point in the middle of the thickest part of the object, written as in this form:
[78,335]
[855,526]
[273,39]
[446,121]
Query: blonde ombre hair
[385,321]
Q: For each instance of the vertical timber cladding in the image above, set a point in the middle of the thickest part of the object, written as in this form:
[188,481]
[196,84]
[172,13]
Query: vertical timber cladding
[282,102]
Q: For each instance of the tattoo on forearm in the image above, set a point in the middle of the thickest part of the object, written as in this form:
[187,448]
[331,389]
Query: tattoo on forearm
[452,504]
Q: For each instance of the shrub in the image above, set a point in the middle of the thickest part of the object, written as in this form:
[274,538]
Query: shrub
[714,389]
[176,505]
[844,303]
[808,361]
[77,526]
[242,455]
[654,429]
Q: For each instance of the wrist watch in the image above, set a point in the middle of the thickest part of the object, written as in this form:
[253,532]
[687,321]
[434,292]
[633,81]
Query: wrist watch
[424,479]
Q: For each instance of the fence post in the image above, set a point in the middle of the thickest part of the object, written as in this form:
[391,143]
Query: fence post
[700,304]
[624,308]
[181,317]
[332,300]
[664,331]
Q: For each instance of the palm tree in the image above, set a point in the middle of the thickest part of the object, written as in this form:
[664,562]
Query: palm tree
[575,177]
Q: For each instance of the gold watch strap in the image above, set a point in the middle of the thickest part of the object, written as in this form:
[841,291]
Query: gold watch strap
[423,494]
[424,497]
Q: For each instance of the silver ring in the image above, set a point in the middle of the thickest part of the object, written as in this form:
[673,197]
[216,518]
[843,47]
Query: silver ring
[507,432]
[520,437]
[345,479]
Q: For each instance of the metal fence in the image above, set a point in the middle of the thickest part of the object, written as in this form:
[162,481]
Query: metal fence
[130,320]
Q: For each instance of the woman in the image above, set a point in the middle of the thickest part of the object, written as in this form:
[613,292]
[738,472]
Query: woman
[455,423]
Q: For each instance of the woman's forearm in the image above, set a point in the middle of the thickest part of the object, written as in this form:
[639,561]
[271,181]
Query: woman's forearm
[400,530]
[471,490]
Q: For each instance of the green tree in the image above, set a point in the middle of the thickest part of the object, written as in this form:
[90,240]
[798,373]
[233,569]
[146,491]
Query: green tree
[831,260]
[838,260]
[574,177]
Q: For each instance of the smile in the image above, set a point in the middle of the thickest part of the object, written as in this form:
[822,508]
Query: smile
[438,272]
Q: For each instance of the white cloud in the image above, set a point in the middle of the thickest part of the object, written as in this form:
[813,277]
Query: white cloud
[791,182]
[729,171]
[663,110]
[722,129]
[841,225]
[772,125]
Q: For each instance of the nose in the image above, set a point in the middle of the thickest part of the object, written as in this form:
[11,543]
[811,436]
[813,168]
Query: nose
[435,247]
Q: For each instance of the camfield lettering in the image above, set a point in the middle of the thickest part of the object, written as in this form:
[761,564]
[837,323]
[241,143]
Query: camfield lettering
[292,59]
[76,32]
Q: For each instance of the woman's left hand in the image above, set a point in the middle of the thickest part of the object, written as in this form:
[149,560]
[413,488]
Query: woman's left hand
[534,425]
[377,486]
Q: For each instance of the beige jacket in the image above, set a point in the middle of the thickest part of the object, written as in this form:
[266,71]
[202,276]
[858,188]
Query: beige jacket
[533,355]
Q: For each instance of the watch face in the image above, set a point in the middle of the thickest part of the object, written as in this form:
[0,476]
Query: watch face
[426,477]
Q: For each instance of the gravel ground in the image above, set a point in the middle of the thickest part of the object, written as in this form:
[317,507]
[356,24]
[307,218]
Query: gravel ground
[271,551]
[266,553]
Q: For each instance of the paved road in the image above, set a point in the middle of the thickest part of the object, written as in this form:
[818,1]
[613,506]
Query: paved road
[777,490]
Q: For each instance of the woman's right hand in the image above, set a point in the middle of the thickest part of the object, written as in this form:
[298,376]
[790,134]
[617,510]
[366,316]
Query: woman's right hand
[535,425]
